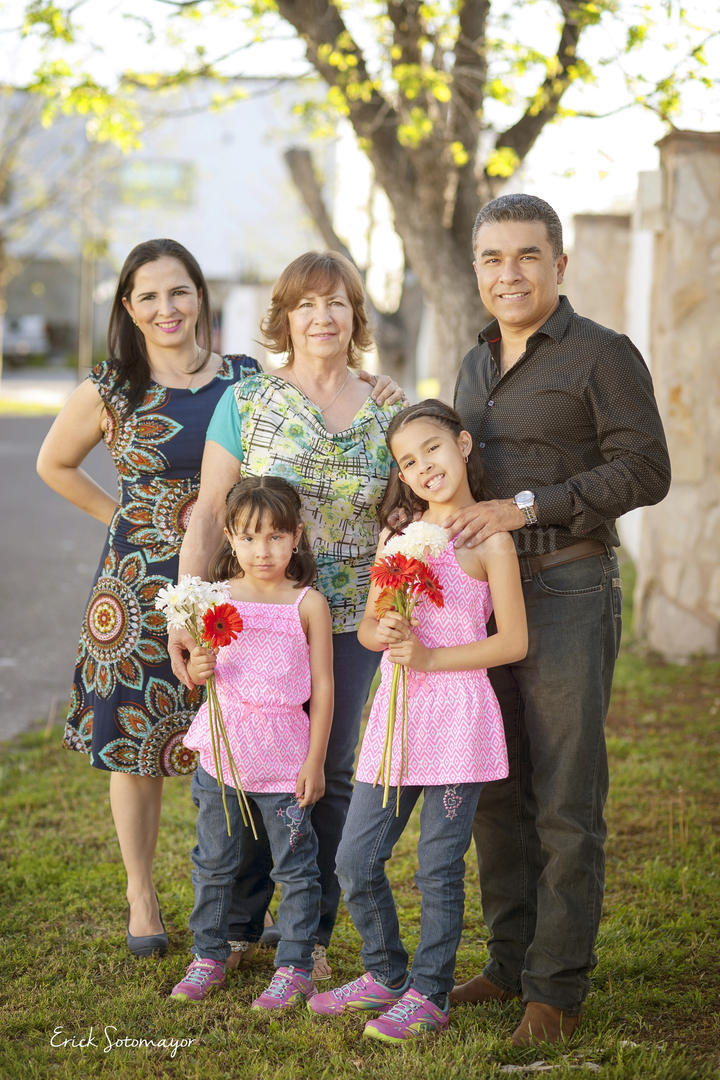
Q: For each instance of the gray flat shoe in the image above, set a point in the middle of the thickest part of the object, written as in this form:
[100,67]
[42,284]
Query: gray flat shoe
[149,944]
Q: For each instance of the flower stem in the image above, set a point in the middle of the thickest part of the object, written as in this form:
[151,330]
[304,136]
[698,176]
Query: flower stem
[403,741]
[215,716]
[386,764]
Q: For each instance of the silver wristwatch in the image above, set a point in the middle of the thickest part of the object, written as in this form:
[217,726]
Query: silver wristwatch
[525,501]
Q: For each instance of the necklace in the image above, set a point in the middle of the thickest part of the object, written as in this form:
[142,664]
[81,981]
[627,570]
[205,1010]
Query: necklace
[189,375]
[325,408]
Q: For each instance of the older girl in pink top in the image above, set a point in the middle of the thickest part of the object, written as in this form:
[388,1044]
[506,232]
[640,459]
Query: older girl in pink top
[281,659]
[455,739]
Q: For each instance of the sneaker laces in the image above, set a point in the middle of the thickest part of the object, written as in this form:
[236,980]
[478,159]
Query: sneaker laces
[349,988]
[198,972]
[402,1009]
[278,984]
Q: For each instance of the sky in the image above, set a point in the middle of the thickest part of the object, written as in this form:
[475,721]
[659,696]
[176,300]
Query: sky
[579,165]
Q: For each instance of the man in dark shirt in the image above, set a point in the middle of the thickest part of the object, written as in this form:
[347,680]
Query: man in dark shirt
[564,413]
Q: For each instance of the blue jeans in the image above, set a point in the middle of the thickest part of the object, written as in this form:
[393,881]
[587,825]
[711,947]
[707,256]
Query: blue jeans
[216,857]
[353,671]
[540,833]
[446,820]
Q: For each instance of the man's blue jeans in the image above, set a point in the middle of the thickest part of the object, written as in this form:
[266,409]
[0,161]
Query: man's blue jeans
[353,670]
[370,834]
[216,857]
[540,833]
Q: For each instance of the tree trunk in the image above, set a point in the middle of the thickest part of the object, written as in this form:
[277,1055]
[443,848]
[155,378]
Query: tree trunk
[456,320]
[450,292]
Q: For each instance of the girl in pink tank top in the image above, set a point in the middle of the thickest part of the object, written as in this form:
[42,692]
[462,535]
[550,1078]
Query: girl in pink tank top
[455,739]
[281,659]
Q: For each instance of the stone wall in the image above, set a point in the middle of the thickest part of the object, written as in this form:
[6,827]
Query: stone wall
[678,592]
[595,280]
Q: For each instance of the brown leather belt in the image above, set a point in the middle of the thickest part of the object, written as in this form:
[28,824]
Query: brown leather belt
[581,550]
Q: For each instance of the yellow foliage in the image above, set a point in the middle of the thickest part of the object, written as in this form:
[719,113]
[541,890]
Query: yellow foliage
[460,155]
[503,161]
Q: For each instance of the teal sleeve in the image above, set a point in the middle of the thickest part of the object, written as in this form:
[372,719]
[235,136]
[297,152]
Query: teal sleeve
[225,425]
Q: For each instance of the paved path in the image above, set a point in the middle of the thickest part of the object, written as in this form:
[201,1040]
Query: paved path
[49,552]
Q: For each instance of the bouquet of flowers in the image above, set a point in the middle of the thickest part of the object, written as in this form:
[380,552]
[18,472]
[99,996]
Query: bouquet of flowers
[403,578]
[201,608]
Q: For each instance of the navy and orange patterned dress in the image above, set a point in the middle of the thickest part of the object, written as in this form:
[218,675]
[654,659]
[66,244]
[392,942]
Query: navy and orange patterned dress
[127,709]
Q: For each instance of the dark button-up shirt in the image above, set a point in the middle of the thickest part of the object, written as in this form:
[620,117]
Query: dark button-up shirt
[574,420]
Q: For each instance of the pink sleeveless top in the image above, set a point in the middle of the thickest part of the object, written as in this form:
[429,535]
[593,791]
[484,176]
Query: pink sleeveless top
[455,729]
[263,678]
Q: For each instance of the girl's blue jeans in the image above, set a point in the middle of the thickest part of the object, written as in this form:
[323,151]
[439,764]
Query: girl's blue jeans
[216,858]
[370,834]
[353,671]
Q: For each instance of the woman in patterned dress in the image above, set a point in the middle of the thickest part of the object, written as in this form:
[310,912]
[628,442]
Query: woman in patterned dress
[313,423]
[150,402]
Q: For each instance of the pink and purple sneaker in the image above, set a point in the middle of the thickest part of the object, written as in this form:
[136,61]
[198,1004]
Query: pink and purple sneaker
[362,994]
[413,1015]
[200,978]
[288,987]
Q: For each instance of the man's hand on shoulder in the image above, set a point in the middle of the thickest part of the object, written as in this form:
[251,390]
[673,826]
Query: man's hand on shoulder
[473,524]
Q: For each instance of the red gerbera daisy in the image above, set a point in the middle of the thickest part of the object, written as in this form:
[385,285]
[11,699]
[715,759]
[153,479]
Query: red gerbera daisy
[428,585]
[394,571]
[222,624]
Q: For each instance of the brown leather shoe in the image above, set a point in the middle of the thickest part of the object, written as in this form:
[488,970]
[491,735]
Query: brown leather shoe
[478,990]
[543,1024]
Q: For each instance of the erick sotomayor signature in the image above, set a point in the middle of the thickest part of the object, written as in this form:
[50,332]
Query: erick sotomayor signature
[110,1040]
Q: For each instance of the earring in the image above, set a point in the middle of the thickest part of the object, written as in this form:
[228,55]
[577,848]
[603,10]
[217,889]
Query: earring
[466,458]
[295,550]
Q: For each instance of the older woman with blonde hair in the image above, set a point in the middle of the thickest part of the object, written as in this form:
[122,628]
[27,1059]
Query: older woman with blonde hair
[313,422]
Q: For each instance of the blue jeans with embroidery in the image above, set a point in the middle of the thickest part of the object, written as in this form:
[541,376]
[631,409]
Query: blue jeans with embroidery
[216,858]
[370,834]
[353,671]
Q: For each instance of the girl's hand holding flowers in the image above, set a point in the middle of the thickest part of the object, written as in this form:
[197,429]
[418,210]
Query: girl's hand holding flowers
[411,653]
[200,608]
[401,578]
[201,664]
[394,627]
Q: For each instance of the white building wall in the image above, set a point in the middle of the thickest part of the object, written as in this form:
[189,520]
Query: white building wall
[243,219]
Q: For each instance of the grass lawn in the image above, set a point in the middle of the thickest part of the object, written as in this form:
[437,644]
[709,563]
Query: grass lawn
[653,1014]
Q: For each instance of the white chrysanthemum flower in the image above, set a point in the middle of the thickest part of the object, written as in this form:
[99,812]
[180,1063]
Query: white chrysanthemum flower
[418,539]
[187,602]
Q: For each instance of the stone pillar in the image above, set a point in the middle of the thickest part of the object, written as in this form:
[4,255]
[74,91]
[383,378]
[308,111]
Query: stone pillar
[678,592]
[597,268]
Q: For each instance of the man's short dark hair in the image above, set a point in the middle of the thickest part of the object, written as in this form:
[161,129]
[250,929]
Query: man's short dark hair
[519,207]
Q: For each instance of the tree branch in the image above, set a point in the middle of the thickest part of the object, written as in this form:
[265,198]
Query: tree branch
[468,88]
[407,29]
[469,72]
[521,136]
[373,117]
[299,162]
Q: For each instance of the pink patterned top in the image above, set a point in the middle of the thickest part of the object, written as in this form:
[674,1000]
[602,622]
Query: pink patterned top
[455,729]
[263,678]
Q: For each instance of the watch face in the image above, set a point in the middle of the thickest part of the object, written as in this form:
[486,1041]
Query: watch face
[524,498]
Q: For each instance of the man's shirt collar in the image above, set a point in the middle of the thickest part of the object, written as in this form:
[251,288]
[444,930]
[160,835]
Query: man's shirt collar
[555,326]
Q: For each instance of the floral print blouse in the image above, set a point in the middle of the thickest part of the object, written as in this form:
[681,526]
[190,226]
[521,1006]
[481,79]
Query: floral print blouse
[269,425]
